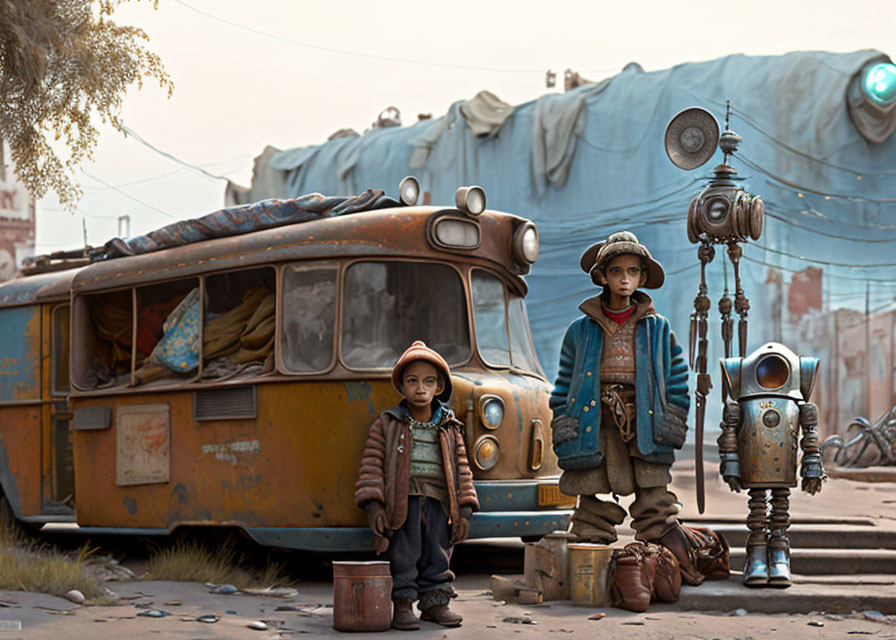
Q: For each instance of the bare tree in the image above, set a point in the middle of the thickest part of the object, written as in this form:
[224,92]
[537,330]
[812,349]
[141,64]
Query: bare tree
[63,64]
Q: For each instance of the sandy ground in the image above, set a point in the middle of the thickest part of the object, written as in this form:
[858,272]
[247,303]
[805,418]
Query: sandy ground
[48,617]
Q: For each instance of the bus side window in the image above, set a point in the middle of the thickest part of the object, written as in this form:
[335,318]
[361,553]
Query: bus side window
[239,324]
[60,344]
[309,318]
[102,339]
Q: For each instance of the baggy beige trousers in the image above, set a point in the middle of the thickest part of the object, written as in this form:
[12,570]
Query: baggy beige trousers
[655,508]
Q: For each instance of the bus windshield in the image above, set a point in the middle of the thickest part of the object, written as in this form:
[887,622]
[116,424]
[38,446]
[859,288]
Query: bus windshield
[388,305]
[502,325]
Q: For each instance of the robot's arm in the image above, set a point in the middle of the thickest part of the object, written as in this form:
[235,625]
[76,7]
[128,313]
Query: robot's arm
[811,467]
[730,463]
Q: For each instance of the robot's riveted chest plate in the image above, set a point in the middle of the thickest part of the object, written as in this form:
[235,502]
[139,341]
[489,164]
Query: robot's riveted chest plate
[767,442]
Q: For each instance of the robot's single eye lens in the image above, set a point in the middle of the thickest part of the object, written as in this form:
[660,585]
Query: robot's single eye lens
[717,210]
[772,371]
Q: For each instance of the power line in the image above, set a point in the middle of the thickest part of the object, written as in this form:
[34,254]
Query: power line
[801,189]
[130,197]
[194,167]
[173,172]
[360,54]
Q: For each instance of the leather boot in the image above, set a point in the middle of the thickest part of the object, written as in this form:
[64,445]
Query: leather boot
[676,540]
[779,568]
[403,616]
[756,566]
[441,614]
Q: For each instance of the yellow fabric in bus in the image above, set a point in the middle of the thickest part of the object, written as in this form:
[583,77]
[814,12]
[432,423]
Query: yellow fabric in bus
[112,320]
[222,335]
[257,338]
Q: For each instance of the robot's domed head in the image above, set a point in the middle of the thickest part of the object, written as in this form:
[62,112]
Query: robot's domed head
[771,370]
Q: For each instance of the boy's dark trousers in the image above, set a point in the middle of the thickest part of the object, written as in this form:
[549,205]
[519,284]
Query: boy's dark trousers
[419,554]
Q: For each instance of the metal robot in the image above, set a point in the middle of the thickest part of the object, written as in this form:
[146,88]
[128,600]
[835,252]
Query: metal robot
[758,450]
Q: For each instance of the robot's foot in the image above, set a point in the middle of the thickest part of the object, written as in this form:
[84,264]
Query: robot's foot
[756,567]
[779,568]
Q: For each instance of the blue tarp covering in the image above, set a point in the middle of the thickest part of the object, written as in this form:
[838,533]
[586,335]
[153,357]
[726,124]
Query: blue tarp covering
[829,193]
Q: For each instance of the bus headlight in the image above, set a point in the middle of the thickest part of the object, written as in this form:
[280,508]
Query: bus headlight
[470,200]
[485,452]
[491,408]
[409,191]
[525,243]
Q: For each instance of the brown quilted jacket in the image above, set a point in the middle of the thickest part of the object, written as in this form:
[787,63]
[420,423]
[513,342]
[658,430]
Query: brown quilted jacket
[386,469]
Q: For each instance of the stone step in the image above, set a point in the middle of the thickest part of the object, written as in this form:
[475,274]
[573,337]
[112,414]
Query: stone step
[817,536]
[809,561]
[840,595]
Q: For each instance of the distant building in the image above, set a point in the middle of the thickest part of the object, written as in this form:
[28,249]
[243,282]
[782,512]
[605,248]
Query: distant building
[16,221]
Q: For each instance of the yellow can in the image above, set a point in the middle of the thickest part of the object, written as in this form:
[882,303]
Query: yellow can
[589,567]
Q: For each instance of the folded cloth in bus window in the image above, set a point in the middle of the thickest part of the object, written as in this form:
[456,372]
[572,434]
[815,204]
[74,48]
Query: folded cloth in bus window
[222,335]
[150,325]
[112,321]
[178,349]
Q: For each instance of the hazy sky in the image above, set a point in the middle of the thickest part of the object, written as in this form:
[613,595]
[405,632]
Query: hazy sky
[327,65]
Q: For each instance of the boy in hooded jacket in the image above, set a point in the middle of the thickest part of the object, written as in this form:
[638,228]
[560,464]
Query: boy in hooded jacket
[416,486]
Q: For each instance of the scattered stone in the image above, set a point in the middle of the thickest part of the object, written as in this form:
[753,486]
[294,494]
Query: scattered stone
[491,626]
[635,623]
[232,612]
[860,633]
[208,618]
[75,596]
[815,623]
[518,620]
[876,616]
[225,589]
[187,619]
[111,594]
[173,603]
[833,616]
[276,592]
[738,612]
[153,613]
[598,616]
[258,625]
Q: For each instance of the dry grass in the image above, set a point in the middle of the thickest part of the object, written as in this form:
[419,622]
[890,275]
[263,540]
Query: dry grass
[193,562]
[26,565]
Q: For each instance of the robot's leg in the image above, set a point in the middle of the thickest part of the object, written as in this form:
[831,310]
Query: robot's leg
[778,543]
[756,562]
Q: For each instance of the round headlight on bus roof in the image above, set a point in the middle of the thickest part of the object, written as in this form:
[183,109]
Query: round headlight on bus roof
[409,191]
[525,243]
[491,410]
[485,452]
[470,200]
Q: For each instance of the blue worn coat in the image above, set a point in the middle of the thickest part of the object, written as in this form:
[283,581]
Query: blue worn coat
[661,379]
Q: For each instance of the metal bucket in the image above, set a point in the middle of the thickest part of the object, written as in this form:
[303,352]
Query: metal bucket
[589,566]
[362,596]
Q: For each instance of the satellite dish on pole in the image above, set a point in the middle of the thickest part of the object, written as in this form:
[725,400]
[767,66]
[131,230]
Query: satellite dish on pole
[691,138]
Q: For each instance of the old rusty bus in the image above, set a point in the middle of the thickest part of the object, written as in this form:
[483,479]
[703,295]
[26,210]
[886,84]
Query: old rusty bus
[298,327]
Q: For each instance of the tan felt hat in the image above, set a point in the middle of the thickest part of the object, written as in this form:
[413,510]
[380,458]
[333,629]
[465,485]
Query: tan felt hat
[419,351]
[619,244]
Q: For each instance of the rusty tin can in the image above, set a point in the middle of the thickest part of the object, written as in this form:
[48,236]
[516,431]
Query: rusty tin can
[362,596]
[589,566]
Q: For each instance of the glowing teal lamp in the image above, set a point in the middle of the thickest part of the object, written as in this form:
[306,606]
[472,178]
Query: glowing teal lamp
[879,84]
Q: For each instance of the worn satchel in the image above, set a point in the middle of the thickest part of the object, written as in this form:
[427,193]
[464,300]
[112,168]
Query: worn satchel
[713,557]
[643,572]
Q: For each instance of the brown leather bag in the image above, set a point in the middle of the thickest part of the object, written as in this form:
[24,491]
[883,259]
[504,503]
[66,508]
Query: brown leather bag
[667,579]
[644,572]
